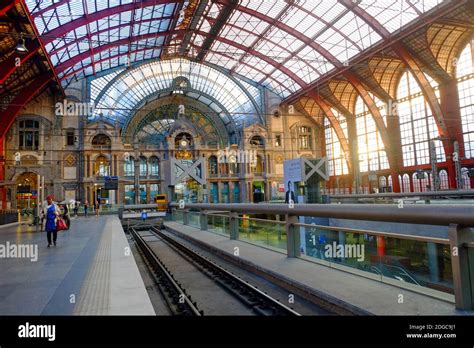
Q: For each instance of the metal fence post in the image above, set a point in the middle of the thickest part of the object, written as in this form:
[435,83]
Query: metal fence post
[185,216]
[173,214]
[292,236]
[463,284]
[234,225]
[203,220]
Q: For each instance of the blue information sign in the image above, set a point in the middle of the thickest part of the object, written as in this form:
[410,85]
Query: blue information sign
[144,215]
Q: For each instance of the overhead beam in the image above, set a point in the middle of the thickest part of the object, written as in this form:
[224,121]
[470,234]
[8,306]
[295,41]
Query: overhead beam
[62,30]
[334,124]
[76,59]
[422,21]
[8,6]
[15,106]
[193,25]
[221,19]
[14,61]
[80,57]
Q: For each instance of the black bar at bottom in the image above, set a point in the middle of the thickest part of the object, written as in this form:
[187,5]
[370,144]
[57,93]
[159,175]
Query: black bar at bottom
[331,330]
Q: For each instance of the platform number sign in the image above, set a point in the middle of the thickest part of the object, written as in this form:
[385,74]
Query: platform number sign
[144,215]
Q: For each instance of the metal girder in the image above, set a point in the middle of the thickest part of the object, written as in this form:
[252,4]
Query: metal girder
[72,42]
[62,30]
[80,57]
[286,28]
[192,25]
[246,64]
[8,116]
[175,18]
[422,21]
[262,36]
[7,6]
[36,33]
[334,124]
[410,62]
[71,73]
[221,20]
[9,65]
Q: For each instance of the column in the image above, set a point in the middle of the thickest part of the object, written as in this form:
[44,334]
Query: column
[354,152]
[449,102]
[136,161]
[394,152]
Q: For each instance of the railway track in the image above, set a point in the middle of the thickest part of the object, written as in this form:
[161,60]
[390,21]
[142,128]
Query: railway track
[179,299]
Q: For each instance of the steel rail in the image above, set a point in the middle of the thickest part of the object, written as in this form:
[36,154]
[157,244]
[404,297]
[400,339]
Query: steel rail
[188,305]
[278,306]
[462,215]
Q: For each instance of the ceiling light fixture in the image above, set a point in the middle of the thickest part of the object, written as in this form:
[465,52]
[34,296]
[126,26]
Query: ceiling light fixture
[20,46]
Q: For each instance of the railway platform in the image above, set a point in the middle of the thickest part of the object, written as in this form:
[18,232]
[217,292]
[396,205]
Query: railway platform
[335,289]
[91,271]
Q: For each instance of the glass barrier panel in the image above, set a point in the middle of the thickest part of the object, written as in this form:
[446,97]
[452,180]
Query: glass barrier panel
[194,220]
[389,259]
[218,224]
[178,216]
[261,232]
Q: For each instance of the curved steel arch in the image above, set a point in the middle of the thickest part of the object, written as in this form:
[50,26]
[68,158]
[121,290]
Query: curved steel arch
[210,65]
[166,91]
[221,133]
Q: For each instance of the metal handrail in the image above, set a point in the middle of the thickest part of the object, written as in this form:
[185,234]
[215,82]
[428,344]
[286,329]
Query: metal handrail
[263,220]
[414,214]
[409,194]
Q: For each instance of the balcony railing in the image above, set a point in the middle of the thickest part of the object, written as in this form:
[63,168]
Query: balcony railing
[420,263]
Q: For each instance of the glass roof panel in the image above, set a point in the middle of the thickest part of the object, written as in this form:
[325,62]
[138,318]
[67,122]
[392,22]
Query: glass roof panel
[127,92]
[119,25]
[282,34]
[394,14]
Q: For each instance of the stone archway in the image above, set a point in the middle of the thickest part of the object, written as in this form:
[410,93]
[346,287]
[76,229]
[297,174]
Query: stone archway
[25,190]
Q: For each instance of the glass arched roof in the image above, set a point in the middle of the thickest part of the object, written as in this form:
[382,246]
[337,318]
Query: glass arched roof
[123,94]
[284,45]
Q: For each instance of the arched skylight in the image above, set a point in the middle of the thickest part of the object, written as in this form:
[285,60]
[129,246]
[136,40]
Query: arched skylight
[124,94]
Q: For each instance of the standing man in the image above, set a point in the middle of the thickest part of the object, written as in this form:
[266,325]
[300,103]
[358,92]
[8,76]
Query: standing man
[51,212]
[97,207]
[290,195]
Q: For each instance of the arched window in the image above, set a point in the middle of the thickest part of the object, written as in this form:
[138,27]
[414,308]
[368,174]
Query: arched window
[101,141]
[443,180]
[28,136]
[143,166]
[382,183]
[305,138]
[466,179]
[128,167]
[406,183]
[337,164]
[154,166]
[465,75]
[389,183]
[420,182]
[101,166]
[372,155]
[257,140]
[213,165]
[259,168]
[417,124]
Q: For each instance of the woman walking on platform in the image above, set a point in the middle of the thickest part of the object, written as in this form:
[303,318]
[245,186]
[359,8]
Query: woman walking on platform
[86,205]
[51,212]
